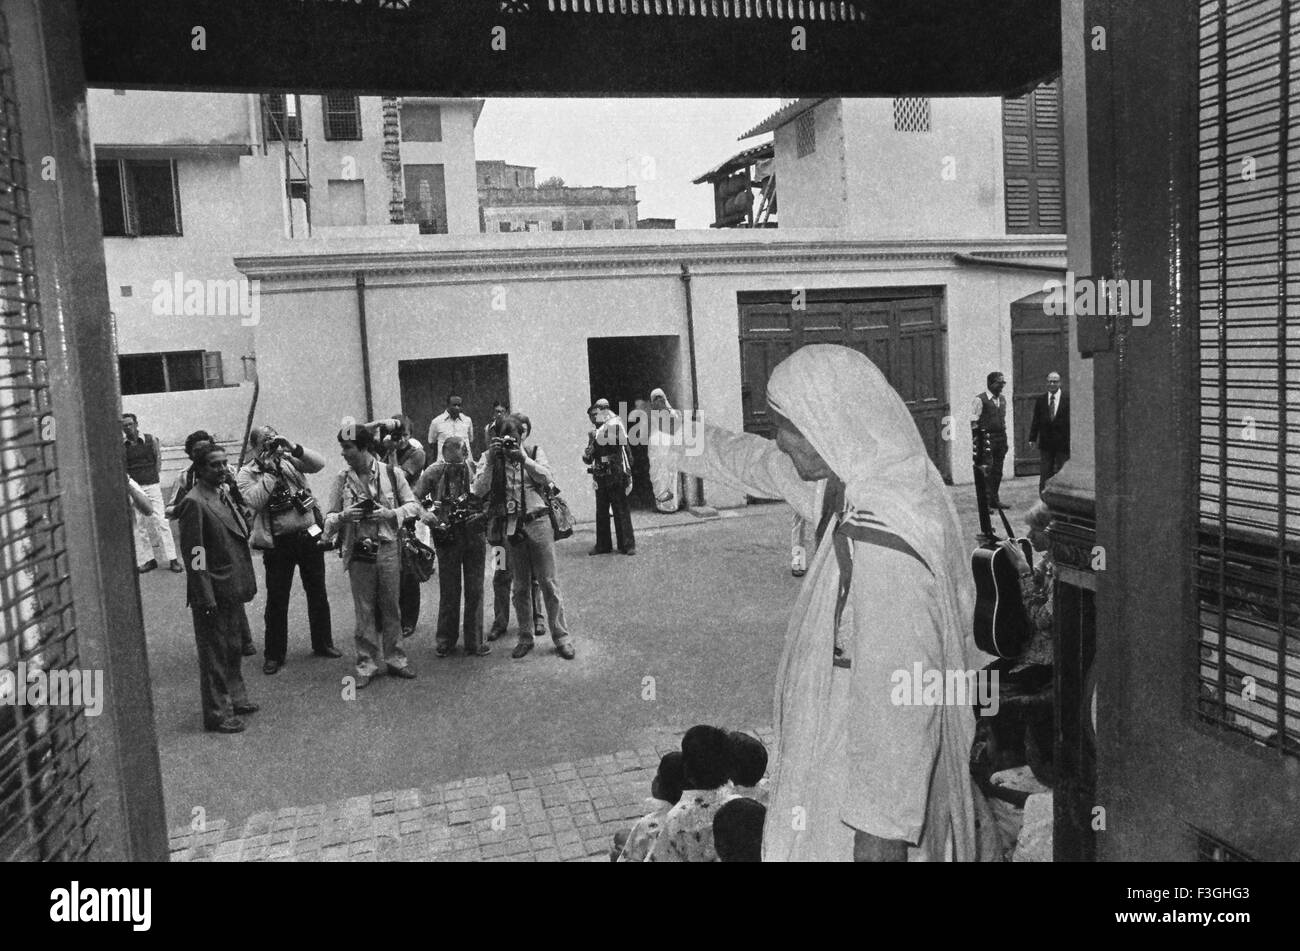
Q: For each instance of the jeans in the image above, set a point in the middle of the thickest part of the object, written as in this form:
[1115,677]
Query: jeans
[612,498]
[408,601]
[533,558]
[502,581]
[375,586]
[460,568]
[295,551]
[221,683]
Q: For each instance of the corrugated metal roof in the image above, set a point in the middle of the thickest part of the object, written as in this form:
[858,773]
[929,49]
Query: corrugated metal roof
[739,160]
[786,113]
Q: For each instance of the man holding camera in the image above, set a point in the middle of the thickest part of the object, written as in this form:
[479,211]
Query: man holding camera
[456,521]
[286,527]
[607,457]
[398,449]
[369,501]
[515,478]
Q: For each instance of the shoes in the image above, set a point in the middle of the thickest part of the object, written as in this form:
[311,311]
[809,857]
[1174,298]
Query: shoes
[565,650]
[442,650]
[330,651]
[245,708]
[147,567]
[272,666]
[995,505]
[228,725]
[521,649]
[540,634]
[600,551]
[798,572]
[798,561]
[482,651]
[249,649]
[177,567]
[494,633]
[408,631]
[402,673]
[628,551]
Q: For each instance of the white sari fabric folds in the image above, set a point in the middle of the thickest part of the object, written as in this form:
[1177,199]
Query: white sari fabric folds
[850,757]
[663,465]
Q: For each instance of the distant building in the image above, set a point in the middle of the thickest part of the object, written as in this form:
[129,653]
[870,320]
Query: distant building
[556,207]
[665,223]
[496,174]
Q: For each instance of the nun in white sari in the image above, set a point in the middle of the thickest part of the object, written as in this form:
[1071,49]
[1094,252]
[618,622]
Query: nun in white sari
[663,468]
[889,587]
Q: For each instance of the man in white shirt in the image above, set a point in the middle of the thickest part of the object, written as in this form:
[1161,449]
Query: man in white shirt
[450,423]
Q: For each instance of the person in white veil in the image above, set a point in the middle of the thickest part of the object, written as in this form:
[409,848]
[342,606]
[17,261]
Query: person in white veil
[663,470]
[857,776]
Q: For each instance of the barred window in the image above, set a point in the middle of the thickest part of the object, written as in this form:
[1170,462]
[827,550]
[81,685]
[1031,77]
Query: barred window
[342,117]
[912,114]
[805,134]
[282,117]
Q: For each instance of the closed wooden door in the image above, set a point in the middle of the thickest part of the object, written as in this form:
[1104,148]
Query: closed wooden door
[1040,344]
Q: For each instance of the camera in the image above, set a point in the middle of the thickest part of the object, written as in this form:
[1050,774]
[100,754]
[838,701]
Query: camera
[283,499]
[365,551]
[509,444]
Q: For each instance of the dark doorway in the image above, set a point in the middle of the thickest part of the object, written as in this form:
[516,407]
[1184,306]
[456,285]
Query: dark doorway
[1040,344]
[479,381]
[624,370]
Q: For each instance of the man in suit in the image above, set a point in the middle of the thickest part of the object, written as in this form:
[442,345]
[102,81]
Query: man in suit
[988,422]
[220,581]
[1050,430]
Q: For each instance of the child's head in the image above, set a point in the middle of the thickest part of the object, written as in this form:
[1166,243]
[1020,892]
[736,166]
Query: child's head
[748,759]
[669,781]
[706,757]
[738,830]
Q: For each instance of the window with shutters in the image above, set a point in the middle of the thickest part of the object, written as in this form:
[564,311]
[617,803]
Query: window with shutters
[912,114]
[342,117]
[281,117]
[1034,171]
[805,134]
[138,198]
[170,372]
[557,224]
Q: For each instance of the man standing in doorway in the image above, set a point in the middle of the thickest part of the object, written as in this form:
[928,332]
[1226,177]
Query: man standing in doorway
[450,423]
[1050,430]
[989,433]
[611,468]
[143,454]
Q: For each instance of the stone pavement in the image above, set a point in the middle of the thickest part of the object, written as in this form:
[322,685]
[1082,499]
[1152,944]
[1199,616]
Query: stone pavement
[567,812]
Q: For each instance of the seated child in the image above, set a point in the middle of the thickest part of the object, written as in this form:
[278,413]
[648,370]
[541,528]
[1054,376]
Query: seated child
[687,831]
[634,845]
[738,830]
[748,764]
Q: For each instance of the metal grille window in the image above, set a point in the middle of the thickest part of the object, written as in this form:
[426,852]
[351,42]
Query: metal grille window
[281,117]
[342,117]
[1248,551]
[46,808]
[805,134]
[912,115]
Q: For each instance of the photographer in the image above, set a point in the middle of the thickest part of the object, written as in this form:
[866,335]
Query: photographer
[286,527]
[607,459]
[368,502]
[515,477]
[398,449]
[457,524]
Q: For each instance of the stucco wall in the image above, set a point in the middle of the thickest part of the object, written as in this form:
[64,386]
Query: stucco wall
[812,191]
[455,153]
[557,292]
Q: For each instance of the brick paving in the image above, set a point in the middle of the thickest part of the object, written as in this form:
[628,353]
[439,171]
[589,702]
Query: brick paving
[565,812]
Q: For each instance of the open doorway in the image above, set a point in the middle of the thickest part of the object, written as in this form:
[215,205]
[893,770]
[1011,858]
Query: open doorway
[478,381]
[624,370]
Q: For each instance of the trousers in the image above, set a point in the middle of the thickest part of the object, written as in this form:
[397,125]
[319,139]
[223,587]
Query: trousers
[612,498]
[378,636]
[533,558]
[502,582]
[221,683]
[298,551]
[154,530]
[460,569]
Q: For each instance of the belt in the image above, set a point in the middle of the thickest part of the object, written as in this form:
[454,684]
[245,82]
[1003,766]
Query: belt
[533,515]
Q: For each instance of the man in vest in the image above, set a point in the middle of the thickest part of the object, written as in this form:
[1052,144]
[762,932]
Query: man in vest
[989,432]
[143,454]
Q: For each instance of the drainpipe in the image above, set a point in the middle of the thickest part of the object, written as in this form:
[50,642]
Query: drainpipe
[695,380]
[365,344]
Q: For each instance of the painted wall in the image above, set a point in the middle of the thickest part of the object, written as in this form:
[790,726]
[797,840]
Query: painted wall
[868,178]
[135,117]
[605,284]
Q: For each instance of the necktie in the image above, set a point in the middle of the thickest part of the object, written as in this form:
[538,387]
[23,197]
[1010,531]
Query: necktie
[1052,403]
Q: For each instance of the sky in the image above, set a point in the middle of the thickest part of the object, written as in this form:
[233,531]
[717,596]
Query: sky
[658,145]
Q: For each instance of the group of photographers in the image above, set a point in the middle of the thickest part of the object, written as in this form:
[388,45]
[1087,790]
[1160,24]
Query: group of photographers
[380,509]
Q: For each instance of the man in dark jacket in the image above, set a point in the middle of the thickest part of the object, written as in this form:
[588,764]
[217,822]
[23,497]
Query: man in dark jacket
[1050,430]
[220,581]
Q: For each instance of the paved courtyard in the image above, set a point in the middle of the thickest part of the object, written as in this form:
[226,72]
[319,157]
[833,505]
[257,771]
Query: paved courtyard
[558,754]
